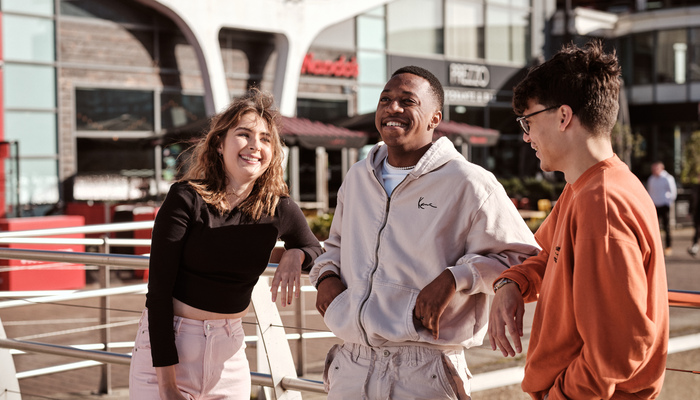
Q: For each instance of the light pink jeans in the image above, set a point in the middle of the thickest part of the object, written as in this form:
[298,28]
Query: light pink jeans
[213,364]
[354,371]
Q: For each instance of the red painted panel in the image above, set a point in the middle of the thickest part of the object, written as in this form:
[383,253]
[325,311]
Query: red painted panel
[42,275]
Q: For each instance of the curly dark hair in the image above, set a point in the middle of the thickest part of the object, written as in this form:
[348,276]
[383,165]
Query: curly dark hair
[586,79]
[206,172]
[435,84]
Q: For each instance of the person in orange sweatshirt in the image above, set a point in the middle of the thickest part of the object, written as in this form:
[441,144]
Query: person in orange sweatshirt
[600,329]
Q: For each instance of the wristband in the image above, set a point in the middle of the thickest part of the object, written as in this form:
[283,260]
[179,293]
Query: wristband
[500,283]
[324,277]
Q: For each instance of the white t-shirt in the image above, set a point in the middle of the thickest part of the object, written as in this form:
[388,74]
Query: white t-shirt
[392,176]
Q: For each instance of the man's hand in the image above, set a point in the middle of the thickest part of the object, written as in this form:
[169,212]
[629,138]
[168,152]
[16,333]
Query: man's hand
[433,299]
[328,290]
[288,276]
[507,311]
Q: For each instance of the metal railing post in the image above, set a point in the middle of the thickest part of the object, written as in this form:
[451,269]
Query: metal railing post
[301,323]
[106,369]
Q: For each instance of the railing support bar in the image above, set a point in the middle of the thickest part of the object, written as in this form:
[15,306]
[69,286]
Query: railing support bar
[274,340]
[8,374]
[301,323]
[105,305]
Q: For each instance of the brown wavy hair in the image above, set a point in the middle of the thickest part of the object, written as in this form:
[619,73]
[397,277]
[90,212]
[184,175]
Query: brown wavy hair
[206,172]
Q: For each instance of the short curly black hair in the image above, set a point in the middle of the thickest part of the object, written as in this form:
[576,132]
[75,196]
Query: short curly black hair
[435,84]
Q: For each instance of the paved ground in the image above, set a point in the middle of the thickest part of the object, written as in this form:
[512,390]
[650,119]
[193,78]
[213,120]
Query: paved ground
[68,322]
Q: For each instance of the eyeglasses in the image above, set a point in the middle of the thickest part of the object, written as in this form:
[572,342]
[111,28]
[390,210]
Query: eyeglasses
[523,120]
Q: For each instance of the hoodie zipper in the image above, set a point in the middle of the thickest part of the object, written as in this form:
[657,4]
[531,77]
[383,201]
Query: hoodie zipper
[376,259]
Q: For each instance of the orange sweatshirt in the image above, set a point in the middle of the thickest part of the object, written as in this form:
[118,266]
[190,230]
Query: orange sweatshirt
[600,329]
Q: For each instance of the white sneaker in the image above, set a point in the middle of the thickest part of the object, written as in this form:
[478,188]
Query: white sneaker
[694,249]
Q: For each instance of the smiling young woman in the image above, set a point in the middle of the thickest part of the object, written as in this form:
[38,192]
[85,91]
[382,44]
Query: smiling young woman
[212,239]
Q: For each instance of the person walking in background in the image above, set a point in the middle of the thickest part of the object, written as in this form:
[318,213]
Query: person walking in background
[601,324]
[662,189]
[212,239]
[418,236]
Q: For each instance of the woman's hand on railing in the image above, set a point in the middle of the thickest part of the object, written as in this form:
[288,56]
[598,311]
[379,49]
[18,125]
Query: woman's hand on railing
[287,277]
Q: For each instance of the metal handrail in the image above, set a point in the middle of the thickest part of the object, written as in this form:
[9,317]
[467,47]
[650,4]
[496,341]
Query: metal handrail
[101,228]
[79,295]
[113,242]
[119,260]
[676,298]
[257,378]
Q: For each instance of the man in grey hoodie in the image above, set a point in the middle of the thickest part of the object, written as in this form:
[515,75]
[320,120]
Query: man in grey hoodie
[418,237]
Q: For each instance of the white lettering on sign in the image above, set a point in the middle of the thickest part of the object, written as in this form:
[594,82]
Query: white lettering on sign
[469,75]
[477,97]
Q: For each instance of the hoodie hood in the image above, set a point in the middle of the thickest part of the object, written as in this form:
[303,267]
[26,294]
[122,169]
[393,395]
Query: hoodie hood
[440,153]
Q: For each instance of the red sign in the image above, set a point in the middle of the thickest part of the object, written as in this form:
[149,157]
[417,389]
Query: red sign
[340,67]
[478,139]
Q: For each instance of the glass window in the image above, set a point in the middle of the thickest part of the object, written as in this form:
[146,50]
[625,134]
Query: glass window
[464,25]
[35,132]
[643,58]
[115,156]
[178,110]
[624,54]
[498,36]
[694,55]
[39,7]
[322,110]
[415,26]
[27,38]
[38,182]
[117,11]
[671,56]
[371,34]
[113,110]
[29,86]
[520,36]
[468,115]
[368,98]
[372,67]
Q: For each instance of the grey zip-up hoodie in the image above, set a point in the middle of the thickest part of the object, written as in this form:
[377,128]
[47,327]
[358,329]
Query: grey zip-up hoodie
[447,213]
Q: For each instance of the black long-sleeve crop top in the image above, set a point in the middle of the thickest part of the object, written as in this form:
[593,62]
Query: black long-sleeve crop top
[211,260]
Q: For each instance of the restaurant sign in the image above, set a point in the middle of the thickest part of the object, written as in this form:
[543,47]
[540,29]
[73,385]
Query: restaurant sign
[342,67]
[469,75]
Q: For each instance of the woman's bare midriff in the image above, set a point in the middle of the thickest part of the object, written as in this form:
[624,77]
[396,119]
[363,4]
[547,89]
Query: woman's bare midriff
[183,310]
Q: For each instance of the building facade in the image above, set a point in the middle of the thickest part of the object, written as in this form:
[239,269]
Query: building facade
[658,45]
[100,97]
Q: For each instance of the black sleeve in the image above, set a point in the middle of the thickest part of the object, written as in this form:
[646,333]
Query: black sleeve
[169,234]
[295,232]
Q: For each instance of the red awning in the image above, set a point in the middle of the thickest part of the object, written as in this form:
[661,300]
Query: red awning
[471,134]
[295,132]
[311,134]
